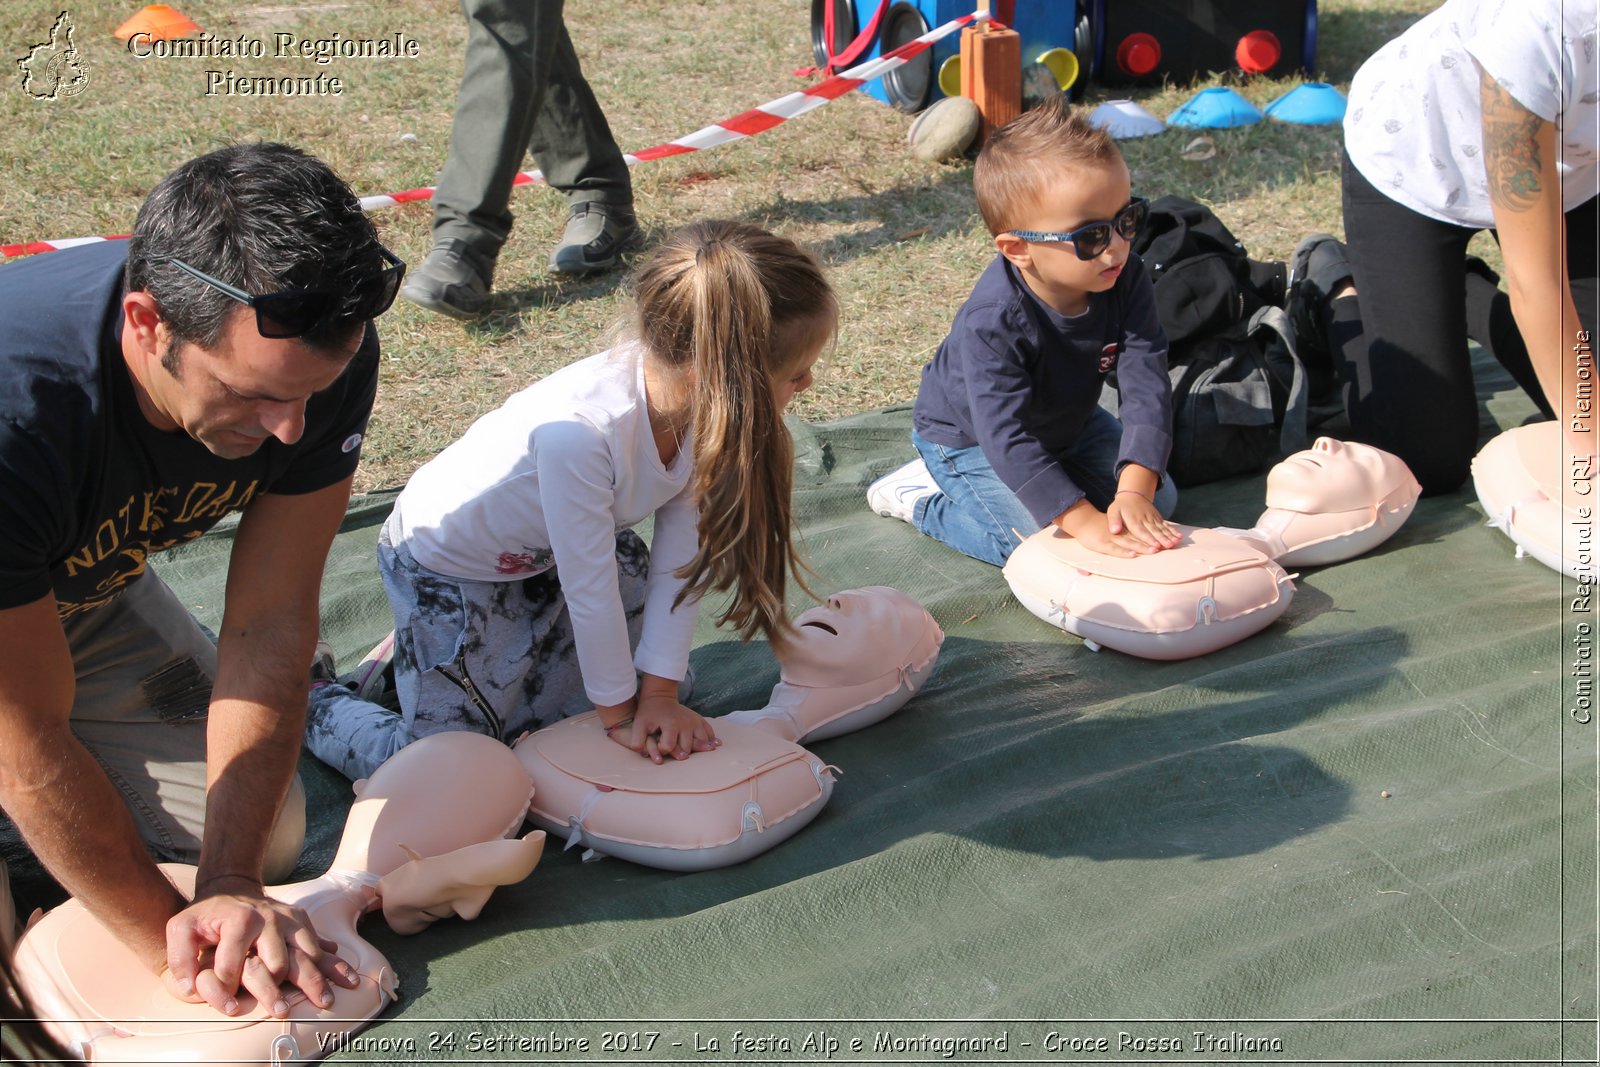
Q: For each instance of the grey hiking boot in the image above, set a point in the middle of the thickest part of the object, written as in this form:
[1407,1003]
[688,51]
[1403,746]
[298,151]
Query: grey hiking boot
[597,235]
[450,281]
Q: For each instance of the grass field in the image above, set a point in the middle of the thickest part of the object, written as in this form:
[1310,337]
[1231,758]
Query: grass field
[901,238]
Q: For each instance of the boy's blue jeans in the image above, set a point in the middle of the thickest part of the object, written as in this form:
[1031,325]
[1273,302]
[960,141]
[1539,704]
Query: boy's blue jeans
[976,513]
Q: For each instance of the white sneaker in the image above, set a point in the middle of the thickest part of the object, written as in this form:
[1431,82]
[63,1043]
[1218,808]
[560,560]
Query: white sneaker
[324,667]
[895,495]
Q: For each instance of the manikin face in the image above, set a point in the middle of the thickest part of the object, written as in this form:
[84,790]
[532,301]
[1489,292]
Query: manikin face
[1333,476]
[854,637]
[242,391]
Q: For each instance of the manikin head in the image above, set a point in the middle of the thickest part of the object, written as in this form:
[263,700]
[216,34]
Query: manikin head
[852,662]
[1337,476]
[1333,501]
[434,796]
[854,659]
[857,636]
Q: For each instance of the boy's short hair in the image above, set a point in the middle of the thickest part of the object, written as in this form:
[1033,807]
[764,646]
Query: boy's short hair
[1024,158]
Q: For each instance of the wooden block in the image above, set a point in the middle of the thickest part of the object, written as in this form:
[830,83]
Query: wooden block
[991,74]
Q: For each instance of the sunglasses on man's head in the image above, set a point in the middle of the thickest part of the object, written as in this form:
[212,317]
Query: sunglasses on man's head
[1093,238]
[297,312]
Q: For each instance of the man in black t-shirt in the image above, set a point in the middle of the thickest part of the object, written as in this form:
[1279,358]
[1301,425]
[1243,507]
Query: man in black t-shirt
[222,360]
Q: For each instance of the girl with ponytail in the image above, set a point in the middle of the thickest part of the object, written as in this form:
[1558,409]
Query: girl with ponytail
[522,595]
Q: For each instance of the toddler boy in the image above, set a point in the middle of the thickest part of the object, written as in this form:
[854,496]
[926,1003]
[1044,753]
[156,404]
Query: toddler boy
[1007,420]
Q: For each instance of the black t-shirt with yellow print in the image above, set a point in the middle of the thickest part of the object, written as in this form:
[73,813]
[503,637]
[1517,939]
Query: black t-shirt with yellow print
[88,488]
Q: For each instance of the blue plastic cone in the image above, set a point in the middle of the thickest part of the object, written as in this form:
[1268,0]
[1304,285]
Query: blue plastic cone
[1124,118]
[1311,104]
[1216,108]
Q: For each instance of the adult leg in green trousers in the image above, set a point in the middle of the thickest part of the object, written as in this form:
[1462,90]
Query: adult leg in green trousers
[522,91]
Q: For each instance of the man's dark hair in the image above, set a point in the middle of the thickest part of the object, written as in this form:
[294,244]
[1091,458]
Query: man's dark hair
[263,217]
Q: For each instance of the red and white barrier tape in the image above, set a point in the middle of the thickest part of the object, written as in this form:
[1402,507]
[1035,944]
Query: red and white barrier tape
[745,124]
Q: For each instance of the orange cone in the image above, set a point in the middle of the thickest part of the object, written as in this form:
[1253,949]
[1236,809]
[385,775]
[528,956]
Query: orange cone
[157,22]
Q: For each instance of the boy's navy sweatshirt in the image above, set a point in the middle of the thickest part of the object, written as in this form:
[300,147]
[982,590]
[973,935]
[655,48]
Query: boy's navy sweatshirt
[1017,378]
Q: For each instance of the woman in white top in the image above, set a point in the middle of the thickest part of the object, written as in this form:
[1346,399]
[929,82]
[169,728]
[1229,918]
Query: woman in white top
[1480,116]
[520,593]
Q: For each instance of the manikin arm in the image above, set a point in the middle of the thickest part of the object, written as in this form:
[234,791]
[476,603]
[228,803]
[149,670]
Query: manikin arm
[458,883]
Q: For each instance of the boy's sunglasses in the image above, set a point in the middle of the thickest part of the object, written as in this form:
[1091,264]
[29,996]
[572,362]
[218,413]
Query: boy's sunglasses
[1093,238]
[297,312]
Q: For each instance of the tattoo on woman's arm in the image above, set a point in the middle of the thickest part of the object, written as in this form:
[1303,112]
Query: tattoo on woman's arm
[1510,148]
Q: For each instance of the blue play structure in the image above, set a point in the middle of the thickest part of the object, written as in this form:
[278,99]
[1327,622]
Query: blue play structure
[1112,42]
[1050,31]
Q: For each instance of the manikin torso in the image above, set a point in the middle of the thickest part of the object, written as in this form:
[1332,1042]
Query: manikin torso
[428,838]
[425,838]
[1539,493]
[1327,503]
[851,662]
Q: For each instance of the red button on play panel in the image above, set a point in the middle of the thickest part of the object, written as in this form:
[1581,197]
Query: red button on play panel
[1258,51]
[1138,54]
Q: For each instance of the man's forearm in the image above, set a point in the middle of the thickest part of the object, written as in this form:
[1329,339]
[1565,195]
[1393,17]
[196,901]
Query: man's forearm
[78,825]
[264,648]
[253,737]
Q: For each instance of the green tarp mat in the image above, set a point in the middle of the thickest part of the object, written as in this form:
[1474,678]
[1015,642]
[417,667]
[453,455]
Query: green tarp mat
[1365,834]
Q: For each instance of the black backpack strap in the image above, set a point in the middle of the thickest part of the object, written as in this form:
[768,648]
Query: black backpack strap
[1293,436]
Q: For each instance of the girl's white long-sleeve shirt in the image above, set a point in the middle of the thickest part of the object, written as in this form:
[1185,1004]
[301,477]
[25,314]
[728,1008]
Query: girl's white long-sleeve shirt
[546,480]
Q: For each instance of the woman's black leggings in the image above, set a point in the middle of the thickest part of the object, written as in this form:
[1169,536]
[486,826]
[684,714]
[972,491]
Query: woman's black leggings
[1400,347]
